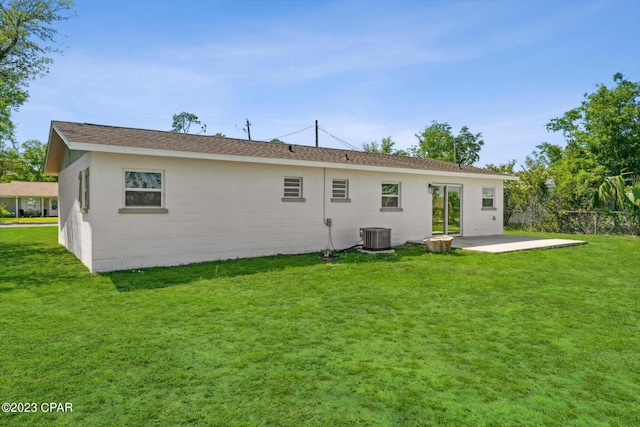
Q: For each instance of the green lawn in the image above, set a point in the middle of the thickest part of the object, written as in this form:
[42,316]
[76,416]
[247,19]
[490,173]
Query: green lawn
[33,220]
[548,337]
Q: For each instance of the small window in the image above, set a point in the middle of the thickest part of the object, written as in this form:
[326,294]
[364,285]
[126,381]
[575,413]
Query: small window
[390,195]
[83,190]
[292,189]
[143,189]
[340,190]
[488,197]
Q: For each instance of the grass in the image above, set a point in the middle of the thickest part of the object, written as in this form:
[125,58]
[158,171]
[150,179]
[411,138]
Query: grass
[534,338]
[26,220]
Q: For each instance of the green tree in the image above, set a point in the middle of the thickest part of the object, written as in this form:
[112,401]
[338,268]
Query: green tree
[467,147]
[556,181]
[575,181]
[606,126]
[534,182]
[549,154]
[437,141]
[10,163]
[11,97]
[33,156]
[27,40]
[515,198]
[182,123]
[573,177]
[623,189]
[384,147]
[25,163]
[624,192]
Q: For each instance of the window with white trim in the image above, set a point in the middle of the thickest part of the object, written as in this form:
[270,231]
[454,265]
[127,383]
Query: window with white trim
[292,189]
[488,197]
[340,190]
[390,195]
[83,190]
[143,189]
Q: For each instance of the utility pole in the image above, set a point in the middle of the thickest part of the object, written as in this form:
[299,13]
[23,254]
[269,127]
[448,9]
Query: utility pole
[454,151]
[316,133]
[249,129]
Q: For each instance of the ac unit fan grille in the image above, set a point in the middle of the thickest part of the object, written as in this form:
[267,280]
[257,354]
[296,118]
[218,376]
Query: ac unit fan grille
[376,238]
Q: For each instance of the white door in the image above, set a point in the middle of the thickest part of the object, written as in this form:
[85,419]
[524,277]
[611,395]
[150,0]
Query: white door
[53,207]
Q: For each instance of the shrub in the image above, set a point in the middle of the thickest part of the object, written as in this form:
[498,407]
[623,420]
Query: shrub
[4,213]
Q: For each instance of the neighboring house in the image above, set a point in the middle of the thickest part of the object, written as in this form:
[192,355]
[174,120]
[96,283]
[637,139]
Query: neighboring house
[29,199]
[132,198]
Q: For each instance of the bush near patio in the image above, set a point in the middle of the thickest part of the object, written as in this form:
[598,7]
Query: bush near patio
[546,337]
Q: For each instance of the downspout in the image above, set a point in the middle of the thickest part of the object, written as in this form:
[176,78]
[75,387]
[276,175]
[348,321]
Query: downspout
[324,195]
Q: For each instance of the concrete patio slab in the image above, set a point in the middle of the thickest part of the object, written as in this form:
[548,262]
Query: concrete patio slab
[507,243]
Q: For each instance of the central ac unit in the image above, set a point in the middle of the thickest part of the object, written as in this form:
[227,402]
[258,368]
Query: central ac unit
[376,238]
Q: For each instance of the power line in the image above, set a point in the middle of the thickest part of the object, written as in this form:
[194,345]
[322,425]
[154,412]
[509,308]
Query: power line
[292,133]
[341,141]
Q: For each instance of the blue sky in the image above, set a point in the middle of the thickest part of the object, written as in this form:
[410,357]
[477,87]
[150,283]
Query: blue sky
[364,69]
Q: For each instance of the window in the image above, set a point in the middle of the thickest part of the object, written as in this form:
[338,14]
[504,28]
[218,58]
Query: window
[143,189]
[292,190]
[390,196]
[488,197]
[83,190]
[340,190]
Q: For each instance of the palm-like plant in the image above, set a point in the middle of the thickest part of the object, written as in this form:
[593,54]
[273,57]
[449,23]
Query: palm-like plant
[623,190]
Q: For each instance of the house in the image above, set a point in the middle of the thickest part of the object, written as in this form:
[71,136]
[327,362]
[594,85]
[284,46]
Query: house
[132,198]
[30,198]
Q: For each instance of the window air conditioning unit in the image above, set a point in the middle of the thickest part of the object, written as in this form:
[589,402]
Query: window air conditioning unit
[376,238]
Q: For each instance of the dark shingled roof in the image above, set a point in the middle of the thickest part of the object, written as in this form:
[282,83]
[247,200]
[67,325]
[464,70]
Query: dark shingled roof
[165,140]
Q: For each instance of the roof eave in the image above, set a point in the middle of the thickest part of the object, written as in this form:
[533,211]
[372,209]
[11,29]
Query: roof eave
[114,149]
[55,151]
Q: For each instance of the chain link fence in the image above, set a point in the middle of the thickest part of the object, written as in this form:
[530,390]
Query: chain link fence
[581,222]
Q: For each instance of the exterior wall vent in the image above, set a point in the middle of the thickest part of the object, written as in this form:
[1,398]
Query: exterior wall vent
[376,238]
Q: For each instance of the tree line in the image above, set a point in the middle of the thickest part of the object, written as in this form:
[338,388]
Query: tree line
[24,162]
[436,141]
[598,168]
[597,171]
[28,40]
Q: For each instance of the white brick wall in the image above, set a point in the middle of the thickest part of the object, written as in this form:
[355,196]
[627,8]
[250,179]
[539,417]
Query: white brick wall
[74,229]
[222,210]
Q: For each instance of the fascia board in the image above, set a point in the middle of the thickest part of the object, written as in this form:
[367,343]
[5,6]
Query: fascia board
[64,138]
[48,168]
[269,160]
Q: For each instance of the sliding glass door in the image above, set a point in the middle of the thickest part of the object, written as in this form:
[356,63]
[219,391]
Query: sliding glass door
[446,209]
